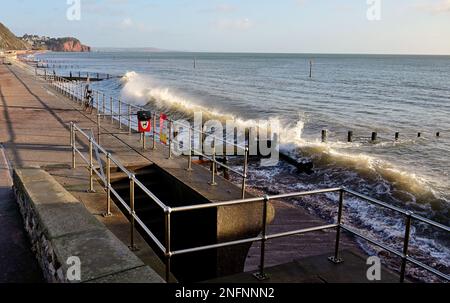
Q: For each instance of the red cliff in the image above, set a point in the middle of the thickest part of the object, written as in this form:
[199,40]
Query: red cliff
[67,45]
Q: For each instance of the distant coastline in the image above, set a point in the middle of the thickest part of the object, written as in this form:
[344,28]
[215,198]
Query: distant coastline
[10,42]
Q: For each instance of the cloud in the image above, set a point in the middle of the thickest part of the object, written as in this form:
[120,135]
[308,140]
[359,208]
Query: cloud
[437,7]
[105,8]
[136,26]
[225,8]
[126,23]
[221,9]
[300,2]
[234,24]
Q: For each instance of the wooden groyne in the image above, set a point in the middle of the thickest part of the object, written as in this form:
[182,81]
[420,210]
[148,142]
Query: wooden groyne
[375,138]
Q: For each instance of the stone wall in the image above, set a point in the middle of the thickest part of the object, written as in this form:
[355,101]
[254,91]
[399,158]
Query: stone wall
[60,227]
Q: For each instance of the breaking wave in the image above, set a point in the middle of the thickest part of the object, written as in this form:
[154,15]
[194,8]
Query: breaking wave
[334,166]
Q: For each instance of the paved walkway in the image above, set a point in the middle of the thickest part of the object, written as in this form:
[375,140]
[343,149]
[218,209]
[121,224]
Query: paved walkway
[17,262]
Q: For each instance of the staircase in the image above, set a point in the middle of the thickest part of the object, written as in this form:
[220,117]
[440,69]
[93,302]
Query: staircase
[189,229]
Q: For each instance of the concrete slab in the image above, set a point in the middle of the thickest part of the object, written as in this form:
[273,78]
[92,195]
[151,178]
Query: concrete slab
[285,273]
[59,212]
[141,275]
[316,269]
[63,219]
[352,270]
[100,252]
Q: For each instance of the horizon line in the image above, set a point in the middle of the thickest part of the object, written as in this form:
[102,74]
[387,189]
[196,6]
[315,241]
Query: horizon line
[158,50]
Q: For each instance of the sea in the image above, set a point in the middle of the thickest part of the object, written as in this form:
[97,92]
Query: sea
[305,94]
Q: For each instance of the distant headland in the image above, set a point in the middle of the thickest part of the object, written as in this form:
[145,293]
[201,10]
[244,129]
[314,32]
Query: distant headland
[8,41]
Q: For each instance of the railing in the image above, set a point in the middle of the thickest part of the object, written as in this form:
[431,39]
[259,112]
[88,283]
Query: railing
[113,108]
[264,236]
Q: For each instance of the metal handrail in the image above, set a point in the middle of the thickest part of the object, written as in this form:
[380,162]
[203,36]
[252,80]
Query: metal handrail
[169,253]
[108,186]
[336,258]
[74,91]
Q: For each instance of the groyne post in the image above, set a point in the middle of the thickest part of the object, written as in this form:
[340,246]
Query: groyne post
[419,135]
[324,136]
[438,134]
[350,137]
[374,136]
[397,136]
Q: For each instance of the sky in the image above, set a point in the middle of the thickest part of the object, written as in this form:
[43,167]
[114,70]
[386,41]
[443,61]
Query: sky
[276,26]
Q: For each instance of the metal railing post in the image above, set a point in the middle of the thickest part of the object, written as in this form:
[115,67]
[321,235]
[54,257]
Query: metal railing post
[132,214]
[120,113]
[213,166]
[261,275]
[154,131]
[129,119]
[244,177]
[72,143]
[405,246]
[144,142]
[108,186]
[111,108]
[91,166]
[81,94]
[98,129]
[336,259]
[170,139]
[190,150]
[104,105]
[168,253]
